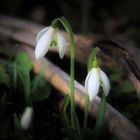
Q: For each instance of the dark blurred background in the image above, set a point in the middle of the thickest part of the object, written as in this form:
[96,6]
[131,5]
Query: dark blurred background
[86,16]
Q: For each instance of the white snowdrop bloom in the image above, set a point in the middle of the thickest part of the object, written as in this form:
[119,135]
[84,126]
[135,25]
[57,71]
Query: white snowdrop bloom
[96,78]
[26,118]
[49,37]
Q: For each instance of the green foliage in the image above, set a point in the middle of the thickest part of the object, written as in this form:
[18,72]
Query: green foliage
[100,118]
[63,113]
[19,71]
[123,85]
[73,133]
[17,127]
[91,57]
[86,111]
[16,75]
[25,78]
[126,87]
[24,61]
[22,67]
[40,90]
[77,126]
[116,75]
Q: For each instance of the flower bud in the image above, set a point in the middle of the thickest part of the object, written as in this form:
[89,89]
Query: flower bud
[26,118]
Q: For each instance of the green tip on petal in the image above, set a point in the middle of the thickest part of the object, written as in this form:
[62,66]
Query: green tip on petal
[54,23]
[95,51]
[95,63]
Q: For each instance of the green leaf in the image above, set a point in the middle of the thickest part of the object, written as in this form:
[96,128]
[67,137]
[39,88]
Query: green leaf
[116,75]
[77,125]
[17,127]
[37,79]
[66,103]
[23,60]
[42,92]
[100,118]
[63,113]
[24,66]
[65,119]
[91,57]
[25,77]
[126,87]
[14,75]
[86,111]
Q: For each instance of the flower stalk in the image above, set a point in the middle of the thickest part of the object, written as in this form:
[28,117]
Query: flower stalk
[92,57]
[68,28]
[100,118]
[95,79]
[86,111]
[49,37]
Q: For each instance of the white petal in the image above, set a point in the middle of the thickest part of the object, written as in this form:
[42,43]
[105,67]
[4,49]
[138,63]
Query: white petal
[43,43]
[26,118]
[92,83]
[61,44]
[41,33]
[105,82]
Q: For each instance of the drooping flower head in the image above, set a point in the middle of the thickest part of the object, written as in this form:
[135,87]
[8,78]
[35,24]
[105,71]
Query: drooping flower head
[95,79]
[50,37]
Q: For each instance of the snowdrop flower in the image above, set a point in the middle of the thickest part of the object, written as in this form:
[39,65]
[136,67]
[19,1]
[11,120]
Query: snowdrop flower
[26,118]
[96,78]
[49,37]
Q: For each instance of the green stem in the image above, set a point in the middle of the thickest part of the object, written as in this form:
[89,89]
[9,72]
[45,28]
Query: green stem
[15,76]
[54,23]
[101,115]
[86,110]
[92,61]
[68,28]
